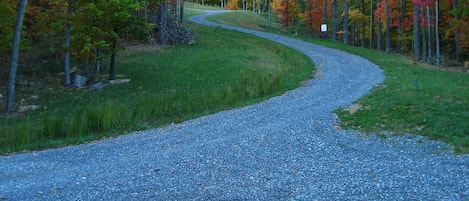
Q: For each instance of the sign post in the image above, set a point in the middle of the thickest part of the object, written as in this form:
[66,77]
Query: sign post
[324,30]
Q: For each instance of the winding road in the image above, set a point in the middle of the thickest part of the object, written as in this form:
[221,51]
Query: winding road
[286,148]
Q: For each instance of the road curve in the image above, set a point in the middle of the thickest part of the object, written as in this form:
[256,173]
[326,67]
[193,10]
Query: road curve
[286,148]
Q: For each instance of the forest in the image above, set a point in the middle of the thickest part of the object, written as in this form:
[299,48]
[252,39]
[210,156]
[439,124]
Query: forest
[431,31]
[80,34]
[85,32]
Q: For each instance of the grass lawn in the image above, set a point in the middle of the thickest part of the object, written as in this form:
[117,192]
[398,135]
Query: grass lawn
[414,98]
[223,70]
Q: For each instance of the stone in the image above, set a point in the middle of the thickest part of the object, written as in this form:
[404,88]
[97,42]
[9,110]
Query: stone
[97,86]
[119,81]
[466,64]
[28,108]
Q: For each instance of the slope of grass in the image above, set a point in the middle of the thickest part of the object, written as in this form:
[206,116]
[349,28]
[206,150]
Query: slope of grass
[223,70]
[413,99]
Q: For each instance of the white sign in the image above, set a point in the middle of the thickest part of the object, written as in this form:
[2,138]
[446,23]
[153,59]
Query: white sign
[324,27]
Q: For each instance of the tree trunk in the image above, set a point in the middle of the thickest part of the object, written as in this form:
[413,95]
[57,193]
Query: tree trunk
[388,26]
[416,38]
[14,54]
[163,22]
[429,35]
[253,5]
[437,34]
[378,31]
[346,22]
[424,34]
[112,66]
[68,29]
[99,61]
[334,19]
[258,6]
[362,22]
[181,12]
[371,24]
[457,38]
[399,23]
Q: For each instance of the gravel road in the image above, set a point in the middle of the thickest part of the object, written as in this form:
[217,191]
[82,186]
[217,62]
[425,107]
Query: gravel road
[286,148]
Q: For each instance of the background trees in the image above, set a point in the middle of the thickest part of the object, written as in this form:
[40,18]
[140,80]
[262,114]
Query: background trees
[404,26]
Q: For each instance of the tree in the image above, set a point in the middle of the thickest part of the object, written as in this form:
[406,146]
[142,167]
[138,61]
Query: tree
[346,22]
[68,31]
[437,34]
[378,27]
[416,38]
[334,19]
[371,24]
[14,54]
[388,26]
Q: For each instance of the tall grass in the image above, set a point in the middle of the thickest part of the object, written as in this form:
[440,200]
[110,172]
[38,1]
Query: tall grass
[223,70]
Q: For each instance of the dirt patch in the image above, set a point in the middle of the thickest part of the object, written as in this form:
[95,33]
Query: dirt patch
[354,108]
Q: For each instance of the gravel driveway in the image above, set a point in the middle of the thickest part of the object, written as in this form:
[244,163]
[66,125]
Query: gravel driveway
[286,148]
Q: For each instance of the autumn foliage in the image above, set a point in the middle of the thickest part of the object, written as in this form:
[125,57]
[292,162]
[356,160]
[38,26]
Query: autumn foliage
[453,22]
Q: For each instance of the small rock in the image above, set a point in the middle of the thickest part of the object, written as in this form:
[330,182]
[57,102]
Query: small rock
[466,64]
[97,86]
[119,81]
[28,108]
[1,96]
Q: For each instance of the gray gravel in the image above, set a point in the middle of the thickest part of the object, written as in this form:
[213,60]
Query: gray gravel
[286,148]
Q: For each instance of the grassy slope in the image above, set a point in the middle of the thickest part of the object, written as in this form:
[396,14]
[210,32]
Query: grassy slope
[223,70]
[439,109]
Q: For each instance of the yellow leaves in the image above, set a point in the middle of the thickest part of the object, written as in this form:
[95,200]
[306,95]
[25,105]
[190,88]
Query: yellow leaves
[355,14]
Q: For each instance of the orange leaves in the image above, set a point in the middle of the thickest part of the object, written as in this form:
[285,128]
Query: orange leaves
[233,5]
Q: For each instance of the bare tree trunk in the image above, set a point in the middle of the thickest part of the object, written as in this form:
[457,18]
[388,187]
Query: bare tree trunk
[388,26]
[424,34]
[362,22]
[429,35]
[181,12]
[68,28]
[416,38]
[112,66]
[334,20]
[399,23]
[437,34]
[457,38]
[14,54]
[258,6]
[378,31]
[99,62]
[371,24]
[346,22]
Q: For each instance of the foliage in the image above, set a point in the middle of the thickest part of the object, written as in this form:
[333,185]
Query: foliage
[233,5]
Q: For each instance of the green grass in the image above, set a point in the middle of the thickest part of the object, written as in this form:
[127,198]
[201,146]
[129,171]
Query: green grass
[246,19]
[438,110]
[223,70]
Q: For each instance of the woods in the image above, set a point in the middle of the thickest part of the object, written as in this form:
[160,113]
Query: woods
[431,31]
[80,35]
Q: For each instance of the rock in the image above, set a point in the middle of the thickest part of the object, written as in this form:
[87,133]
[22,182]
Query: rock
[1,96]
[466,64]
[97,86]
[80,81]
[28,108]
[119,81]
